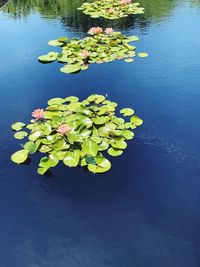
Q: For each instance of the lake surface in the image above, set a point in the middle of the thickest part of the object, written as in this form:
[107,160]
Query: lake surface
[145,212]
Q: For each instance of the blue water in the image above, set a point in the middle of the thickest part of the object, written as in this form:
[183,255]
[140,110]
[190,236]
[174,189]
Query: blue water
[145,212]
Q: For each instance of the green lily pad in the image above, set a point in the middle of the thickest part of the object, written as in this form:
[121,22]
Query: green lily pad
[78,133]
[31,147]
[127,111]
[128,134]
[102,165]
[72,158]
[71,99]
[114,152]
[17,126]
[20,156]
[118,143]
[20,135]
[47,162]
[71,68]
[55,101]
[90,147]
[110,9]
[133,38]
[136,120]
[48,58]
[143,54]
[96,98]
[129,60]
[55,43]
[103,146]
[105,46]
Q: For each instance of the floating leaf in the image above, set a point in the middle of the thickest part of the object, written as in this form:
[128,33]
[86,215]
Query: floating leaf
[50,57]
[103,165]
[100,47]
[19,156]
[127,111]
[70,68]
[143,54]
[111,9]
[128,134]
[71,158]
[90,147]
[20,135]
[118,143]
[31,147]
[17,126]
[77,133]
[137,121]
[71,99]
[55,101]
[114,152]
[55,43]
[129,60]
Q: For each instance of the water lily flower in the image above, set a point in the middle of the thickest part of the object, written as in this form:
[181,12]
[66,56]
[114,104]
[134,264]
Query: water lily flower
[109,30]
[38,113]
[63,129]
[95,30]
[124,2]
[85,54]
[111,10]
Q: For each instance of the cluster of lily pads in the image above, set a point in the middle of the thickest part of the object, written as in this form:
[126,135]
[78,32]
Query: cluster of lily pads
[111,9]
[79,133]
[101,46]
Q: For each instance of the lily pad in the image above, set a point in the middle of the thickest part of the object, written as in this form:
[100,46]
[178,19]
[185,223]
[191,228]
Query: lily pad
[17,126]
[71,68]
[20,135]
[76,132]
[114,152]
[102,165]
[72,158]
[101,46]
[137,121]
[54,43]
[48,58]
[111,9]
[55,101]
[20,156]
[143,54]
[127,111]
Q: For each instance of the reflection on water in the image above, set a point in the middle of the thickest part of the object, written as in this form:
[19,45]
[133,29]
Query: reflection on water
[2,2]
[66,11]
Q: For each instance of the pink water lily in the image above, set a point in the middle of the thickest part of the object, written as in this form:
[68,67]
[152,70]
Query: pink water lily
[85,54]
[109,30]
[111,10]
[38,113]
[124,2]
[95,30]
[63,129]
